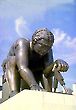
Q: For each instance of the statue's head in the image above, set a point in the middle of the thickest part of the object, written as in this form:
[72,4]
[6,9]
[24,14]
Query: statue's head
[42,41]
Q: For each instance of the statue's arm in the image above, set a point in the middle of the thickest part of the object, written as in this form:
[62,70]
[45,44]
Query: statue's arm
[49,63]
[22,49]
[59,66]
[54,69]
[47,72]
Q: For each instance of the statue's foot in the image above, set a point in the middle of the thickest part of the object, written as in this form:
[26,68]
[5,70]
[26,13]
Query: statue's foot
[36,87]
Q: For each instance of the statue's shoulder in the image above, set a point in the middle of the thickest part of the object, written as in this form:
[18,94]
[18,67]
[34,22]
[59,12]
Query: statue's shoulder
[22,41]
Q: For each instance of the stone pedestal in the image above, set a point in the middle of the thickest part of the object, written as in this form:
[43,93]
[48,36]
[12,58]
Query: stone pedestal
[36,100]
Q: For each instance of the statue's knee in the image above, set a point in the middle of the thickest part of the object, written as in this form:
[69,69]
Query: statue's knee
[22,42]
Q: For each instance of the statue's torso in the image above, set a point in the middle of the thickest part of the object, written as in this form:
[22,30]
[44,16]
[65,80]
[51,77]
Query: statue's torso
[35,61]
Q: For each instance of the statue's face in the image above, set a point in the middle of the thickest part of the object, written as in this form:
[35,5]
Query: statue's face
[42,41]
[42,46]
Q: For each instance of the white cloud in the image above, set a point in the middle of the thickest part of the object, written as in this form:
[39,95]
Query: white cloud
[22,27]
[59,36]
[71,42]
[64,46]
[63,38]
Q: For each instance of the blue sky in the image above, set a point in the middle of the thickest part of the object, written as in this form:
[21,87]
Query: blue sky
[20,18]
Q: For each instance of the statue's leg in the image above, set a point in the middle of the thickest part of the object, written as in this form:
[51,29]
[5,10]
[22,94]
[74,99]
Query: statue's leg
[13,76]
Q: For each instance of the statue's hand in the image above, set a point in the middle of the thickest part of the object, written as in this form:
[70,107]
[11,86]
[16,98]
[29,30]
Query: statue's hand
[61,65]
[65,89]
[36,87]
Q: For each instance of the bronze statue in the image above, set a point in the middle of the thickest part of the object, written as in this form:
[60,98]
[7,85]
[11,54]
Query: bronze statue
[33,62]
